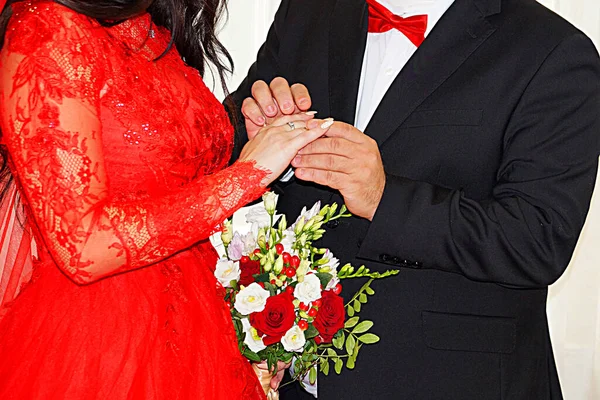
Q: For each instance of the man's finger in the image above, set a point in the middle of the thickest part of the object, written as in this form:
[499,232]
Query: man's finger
[325,145]
[263,96]
[329,162]
[281,91]
[252,111]
[301,96]
[334,180]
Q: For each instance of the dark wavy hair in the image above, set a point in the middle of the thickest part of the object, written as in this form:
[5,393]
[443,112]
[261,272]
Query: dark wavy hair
[192,24]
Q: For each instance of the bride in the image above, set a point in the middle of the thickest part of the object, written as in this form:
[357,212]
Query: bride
[118,155]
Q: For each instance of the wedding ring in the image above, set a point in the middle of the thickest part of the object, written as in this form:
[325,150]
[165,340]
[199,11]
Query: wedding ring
[291,125]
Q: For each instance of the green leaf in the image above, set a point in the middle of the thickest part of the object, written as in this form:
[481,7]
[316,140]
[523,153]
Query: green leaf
[362,327]
[324,277]
[350,343]
[351,322]
[287,357]
[356,305]
[369,291]
[325,366]
[369,338]
[311,332]
[261,277]
[363,298]
[350,363]
[312,375]
[252,356]
[350,311]
[338,340]
[331,352]
[338,366]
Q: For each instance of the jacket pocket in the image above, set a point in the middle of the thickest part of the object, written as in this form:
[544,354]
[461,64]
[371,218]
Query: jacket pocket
[479,333]
[443,118]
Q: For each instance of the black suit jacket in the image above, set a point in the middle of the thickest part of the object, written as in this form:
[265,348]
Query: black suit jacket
[490,141]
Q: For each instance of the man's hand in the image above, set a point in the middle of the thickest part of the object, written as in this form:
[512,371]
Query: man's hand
[347,160]
[269,102]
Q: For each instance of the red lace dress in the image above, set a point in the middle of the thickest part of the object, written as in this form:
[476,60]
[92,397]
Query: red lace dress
[121,162]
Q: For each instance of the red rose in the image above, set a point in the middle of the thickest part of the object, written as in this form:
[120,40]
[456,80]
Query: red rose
[248,269]
[276,319]
[330,318]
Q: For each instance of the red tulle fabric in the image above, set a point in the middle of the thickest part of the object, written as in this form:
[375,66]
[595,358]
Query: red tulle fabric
[121,164]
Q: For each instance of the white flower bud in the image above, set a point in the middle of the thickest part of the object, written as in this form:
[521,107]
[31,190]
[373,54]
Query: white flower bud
[270,201]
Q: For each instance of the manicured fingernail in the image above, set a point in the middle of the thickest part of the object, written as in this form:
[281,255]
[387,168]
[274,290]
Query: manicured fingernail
[287,105]
[310,113]
[261,121]
[328,122]
[296,160]
[271,109]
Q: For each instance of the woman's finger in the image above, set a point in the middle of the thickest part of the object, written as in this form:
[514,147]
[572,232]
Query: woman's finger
[304,137]
[281,121]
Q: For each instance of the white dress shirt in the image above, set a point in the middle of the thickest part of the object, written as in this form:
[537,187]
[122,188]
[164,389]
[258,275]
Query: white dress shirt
[387,53]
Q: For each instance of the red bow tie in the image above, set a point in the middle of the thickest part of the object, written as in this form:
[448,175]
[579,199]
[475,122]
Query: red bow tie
[382,20]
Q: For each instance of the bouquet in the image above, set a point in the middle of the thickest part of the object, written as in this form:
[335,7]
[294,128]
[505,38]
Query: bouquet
[284,293]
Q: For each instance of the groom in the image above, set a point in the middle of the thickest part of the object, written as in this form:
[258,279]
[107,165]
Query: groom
[467,149]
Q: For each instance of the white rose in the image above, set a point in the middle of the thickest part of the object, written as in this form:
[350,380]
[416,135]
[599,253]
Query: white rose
[252,298]
[270,202]
[294,339]
[227,271]
[259,218]
[252,340]
[309,289]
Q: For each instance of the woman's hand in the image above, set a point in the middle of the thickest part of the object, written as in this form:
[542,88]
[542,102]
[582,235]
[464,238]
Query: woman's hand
[276,379]
[275,145]
[271,101]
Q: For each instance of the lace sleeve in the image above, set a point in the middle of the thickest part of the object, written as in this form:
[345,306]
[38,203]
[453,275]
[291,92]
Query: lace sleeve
[51,76]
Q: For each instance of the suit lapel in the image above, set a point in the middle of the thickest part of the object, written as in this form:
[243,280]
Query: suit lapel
[460,31]
[347,40]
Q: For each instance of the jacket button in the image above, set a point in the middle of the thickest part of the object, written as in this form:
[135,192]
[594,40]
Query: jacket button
[396,260]
[333,224]
[385,258]
[417,264]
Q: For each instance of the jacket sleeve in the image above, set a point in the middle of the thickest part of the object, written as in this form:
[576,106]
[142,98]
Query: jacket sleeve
[525,234]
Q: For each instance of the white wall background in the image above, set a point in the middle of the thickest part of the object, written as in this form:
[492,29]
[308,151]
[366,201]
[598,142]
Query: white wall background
[574,301]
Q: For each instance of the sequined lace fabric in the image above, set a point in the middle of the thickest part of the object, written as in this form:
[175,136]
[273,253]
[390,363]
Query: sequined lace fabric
[121,161]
